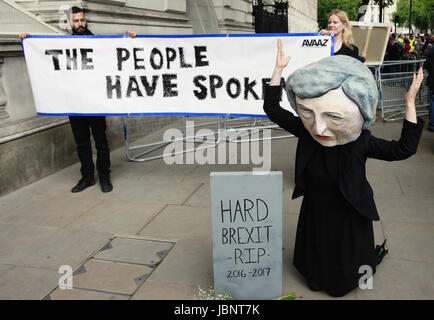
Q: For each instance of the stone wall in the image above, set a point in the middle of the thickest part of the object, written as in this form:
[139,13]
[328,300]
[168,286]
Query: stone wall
[302,16]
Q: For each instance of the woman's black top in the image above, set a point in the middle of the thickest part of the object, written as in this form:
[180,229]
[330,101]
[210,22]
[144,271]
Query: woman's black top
[347,51]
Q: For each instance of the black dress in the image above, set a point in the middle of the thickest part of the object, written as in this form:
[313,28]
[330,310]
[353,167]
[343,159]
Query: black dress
[332,240]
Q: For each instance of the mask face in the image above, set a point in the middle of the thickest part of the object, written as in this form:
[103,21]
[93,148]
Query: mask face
[331,119]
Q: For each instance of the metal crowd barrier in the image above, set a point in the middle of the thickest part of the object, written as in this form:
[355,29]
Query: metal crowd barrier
[394,79]
[238,129]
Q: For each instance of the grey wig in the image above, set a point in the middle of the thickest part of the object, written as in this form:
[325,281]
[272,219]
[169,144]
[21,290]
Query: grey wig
[318,78]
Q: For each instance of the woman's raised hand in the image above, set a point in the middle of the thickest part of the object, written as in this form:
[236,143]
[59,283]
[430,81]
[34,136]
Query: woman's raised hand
[325,32]
[281,62]
[410,97]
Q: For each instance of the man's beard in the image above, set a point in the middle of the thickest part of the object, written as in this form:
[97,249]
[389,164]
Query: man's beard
[81,31]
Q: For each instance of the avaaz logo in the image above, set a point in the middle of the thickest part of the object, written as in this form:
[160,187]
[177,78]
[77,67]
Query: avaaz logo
[314,43]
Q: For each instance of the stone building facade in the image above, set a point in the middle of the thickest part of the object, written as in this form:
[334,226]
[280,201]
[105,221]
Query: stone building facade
[33,146]
[302,16]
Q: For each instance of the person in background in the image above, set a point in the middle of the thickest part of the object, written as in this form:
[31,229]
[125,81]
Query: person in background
[429,46]
[400,39]
[82,126]
[418,45]
[394,52]
[429,66]
[339,25]
[426,42]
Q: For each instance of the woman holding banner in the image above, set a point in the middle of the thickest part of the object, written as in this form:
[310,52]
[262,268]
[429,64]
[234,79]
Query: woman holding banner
[336,100]
[339,25]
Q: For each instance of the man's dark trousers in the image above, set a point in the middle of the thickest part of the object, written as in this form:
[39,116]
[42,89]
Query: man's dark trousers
[81,129]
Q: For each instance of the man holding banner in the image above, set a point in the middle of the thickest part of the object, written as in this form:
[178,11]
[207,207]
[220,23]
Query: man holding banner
[83,125]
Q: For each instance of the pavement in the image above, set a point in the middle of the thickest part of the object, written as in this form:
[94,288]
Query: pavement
[150,238]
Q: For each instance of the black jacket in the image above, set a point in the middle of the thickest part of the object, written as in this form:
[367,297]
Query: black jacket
[352,175]
[429,66]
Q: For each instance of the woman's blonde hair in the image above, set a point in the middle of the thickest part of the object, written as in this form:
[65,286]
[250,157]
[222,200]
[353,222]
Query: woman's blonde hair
[347,35]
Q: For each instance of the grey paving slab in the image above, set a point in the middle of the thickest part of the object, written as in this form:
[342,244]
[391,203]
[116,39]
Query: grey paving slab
[412,241]
[27,283]
[57,211]
[401,279]
[291,206]
[154,189]
[110,277]
[117,216]
[181,222]
[172,172]
[47,247]
[385,185]
[188,263]
[156,290]
[14,201]
[417,186]
[59,183]
[81,294]
[416,166]
[200,198]
[406,208]
[289,233]
[5,267]
[136,251]
[201,173]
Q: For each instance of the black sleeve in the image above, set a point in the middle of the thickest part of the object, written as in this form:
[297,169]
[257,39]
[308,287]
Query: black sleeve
[355,52]
[397,150]
[284,118]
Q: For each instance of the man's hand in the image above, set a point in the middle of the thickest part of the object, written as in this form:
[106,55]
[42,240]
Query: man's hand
[131,34]
[23,35]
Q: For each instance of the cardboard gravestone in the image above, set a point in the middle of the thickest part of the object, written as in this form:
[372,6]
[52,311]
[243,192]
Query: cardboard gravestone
[246,210]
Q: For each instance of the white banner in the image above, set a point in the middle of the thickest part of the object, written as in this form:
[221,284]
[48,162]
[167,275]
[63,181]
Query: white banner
[154,75]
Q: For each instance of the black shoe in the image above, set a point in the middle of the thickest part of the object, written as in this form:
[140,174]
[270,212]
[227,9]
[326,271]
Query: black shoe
[106,185]
[83,184]
[381,251]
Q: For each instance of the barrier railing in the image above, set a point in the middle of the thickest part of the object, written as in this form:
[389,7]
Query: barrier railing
[394,79]
[228,129]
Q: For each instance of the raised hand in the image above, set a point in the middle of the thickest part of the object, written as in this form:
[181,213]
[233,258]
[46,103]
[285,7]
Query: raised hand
[410,97]
[281,62]
[325,32]
[131,34]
